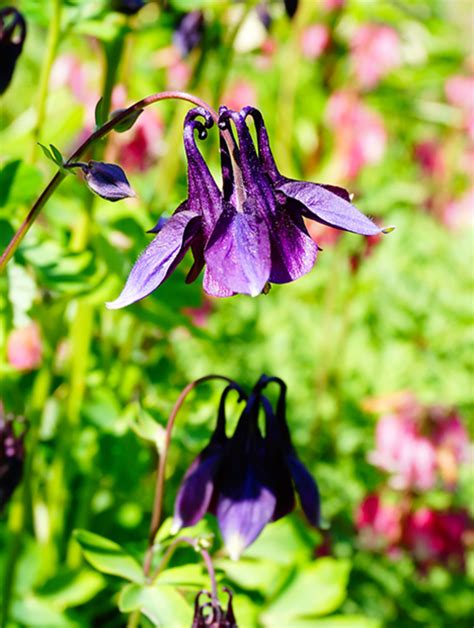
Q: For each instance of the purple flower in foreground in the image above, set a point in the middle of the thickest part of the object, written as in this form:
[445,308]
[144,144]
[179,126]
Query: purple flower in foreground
[247,480]
[210,614]
[11,459]
[107,180]
[12,38]
[252,232]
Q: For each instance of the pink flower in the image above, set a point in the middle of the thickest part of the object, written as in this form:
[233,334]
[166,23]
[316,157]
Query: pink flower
[401,451]
[460,92]
[240,94]
[334,5]
[459,213]
[360,134]
[314,40]
[452,442]
[199,315]
[429,155]
[375,51]
[378,523]
[436,537]
[178,75]
[24,348]
[68,71]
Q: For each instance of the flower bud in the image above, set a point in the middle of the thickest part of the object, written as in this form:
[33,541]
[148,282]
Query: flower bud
[107,180]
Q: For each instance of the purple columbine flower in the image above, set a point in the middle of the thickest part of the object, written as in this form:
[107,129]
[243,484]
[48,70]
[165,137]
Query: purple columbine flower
[250,234]
[189,32]
[210,614]
[12,38]
[247,480]
[12,455]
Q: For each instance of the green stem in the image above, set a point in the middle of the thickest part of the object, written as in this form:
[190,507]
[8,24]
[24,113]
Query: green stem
[103,131]
[52,46]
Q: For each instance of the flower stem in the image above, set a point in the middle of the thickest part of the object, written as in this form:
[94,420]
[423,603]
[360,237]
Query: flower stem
[52,45]
[98,134]
[160,477]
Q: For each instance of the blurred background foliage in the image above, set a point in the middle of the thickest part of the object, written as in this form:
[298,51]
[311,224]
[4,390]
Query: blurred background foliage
[375,96]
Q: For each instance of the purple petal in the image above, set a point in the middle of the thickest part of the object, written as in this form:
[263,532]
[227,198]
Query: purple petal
[244,508]
[293,251]
[238,252]
[264,151]
[212,287]
[328,208]
[195,493]
[159,259]
[306,488]
[108,181]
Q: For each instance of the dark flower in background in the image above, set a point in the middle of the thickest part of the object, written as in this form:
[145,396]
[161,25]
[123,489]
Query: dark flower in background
[247,480]
[11,458]
[189,32]
[107,180]
[210,614]
[291,6]
[252,232]
[127,7]
[12,38]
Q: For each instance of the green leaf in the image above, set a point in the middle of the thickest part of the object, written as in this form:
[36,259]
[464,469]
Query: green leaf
[31,611]
[184,576]
[127,122]
[326,579]
[108,557]
[47,152]
[71,589]
[99,113]
[337,621]
[163,605]
[58,158]
[19,183]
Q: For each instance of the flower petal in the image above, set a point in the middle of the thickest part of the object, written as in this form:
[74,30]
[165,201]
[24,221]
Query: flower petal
[293,251]
[212,287]
[244,507]
[159,258]
[238,252]
[328,208]
[108,181]
[306,488]
[195,493]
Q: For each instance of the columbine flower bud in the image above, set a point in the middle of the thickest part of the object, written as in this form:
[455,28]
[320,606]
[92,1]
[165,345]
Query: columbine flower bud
[12,38]
[11,458]
[107,180]
[210,614]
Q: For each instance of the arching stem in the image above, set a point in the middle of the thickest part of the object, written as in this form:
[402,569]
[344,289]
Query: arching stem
[160,478]
[94,137]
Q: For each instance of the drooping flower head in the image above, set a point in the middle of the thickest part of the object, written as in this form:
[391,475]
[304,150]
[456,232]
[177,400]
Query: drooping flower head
[251,233]
[189,32]
[12,38]
[247,480]
[12,454]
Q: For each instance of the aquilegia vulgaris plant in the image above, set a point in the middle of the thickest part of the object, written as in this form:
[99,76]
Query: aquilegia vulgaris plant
[251,233]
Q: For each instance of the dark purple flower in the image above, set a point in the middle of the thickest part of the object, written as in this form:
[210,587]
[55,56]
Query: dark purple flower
[252,232]
[107,180]
[247,480]
[128,7]
[210,614]
[12,38]
[189,32]
[11,458]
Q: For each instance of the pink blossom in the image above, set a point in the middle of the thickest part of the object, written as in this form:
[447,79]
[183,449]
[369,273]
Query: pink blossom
[240,94]
[435,537]
[452,442]
[460,92]
[68,71]
[459,213]
[334,5]
[360,134]
[178,74]
[378,523]
[199,315]
[314,40]
[375,51]
[24,348]
[401,451]
[429,155]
